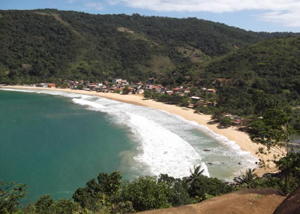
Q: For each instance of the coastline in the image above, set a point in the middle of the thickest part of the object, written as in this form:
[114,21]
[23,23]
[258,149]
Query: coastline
[242,139]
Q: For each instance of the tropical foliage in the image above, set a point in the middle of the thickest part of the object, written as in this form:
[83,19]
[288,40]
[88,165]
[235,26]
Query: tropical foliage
[47,45]
[248,179]
[108,194]
[10,195]
[256,78]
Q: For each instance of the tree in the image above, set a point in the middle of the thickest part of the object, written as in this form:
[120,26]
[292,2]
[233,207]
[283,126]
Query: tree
[126,90]
[10,194]
[226,121]
[248,179]
[194,174]
[79,87]
[272,130]
[185,102]
[289,167]
[146,193]
[43,204]
[203,187]
[101,192]
[147,94]
[179,194]
[64,206]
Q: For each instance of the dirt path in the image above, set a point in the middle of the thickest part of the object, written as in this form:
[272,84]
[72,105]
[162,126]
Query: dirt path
[256,201]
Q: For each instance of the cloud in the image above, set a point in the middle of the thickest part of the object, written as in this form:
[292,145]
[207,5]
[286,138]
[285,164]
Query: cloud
[286,12]
[94,5]
[288,19]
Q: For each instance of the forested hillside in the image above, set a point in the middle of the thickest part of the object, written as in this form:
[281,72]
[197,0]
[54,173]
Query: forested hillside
[257,77]
[44,45]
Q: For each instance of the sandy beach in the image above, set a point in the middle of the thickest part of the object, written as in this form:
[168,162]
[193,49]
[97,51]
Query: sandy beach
[241,138]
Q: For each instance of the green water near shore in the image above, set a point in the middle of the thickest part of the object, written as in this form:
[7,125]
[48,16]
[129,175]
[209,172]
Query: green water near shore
[55,146]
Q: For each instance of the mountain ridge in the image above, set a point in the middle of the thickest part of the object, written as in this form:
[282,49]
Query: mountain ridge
[56,44]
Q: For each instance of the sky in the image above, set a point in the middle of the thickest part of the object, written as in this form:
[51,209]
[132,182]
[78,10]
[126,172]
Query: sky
[255,15]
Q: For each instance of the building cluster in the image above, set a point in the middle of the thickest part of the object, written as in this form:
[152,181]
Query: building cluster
[236,120]
[203,97]
[123,86]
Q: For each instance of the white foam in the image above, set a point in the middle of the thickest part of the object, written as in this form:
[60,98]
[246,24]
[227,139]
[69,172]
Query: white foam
[220,138]
[164,141]
[18,90]
[163,150]
[88,103]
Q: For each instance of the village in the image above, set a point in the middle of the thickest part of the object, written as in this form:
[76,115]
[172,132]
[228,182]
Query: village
[190,97]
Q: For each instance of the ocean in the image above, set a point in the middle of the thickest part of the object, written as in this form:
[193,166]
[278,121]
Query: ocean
[55,142]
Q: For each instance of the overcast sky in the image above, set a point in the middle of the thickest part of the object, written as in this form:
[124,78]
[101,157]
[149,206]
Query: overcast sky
[255,15]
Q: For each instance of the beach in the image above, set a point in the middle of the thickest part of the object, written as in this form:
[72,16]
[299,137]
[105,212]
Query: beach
[242,139]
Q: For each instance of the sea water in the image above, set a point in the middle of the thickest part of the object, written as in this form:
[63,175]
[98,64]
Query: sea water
[57,143]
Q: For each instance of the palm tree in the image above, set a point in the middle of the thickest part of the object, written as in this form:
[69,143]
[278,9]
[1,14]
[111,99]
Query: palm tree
[248,179]
[194,174]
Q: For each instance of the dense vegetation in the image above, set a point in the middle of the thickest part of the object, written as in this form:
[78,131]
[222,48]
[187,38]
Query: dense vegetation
[252,72]
[46,45]
[257,77]
[108,194]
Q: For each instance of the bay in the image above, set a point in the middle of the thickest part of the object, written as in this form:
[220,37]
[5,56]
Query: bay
[55,146]
[57,143]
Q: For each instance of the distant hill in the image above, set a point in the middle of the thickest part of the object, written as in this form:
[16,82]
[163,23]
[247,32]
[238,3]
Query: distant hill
[43,45]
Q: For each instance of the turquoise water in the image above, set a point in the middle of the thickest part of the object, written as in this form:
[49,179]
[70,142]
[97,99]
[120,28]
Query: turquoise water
[57,143]
[55,146]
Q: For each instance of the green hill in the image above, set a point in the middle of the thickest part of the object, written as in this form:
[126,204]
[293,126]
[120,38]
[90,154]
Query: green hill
[44,45]
[256,77]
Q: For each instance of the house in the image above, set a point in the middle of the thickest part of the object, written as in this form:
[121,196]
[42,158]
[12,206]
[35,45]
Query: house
[92,86]
[43,85]
[112,89]
[195,98]
[210,90]
[237,122]
[51,85]
[156,89]
[116,81]
[169,92]
[140,91]
[124,82]
[102,88]
[227,115]
[176,90]
[187,92]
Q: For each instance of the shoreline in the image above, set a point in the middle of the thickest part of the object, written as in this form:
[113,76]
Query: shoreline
[242,139]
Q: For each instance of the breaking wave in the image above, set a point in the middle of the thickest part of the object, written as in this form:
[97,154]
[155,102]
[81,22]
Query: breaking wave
[168,143]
